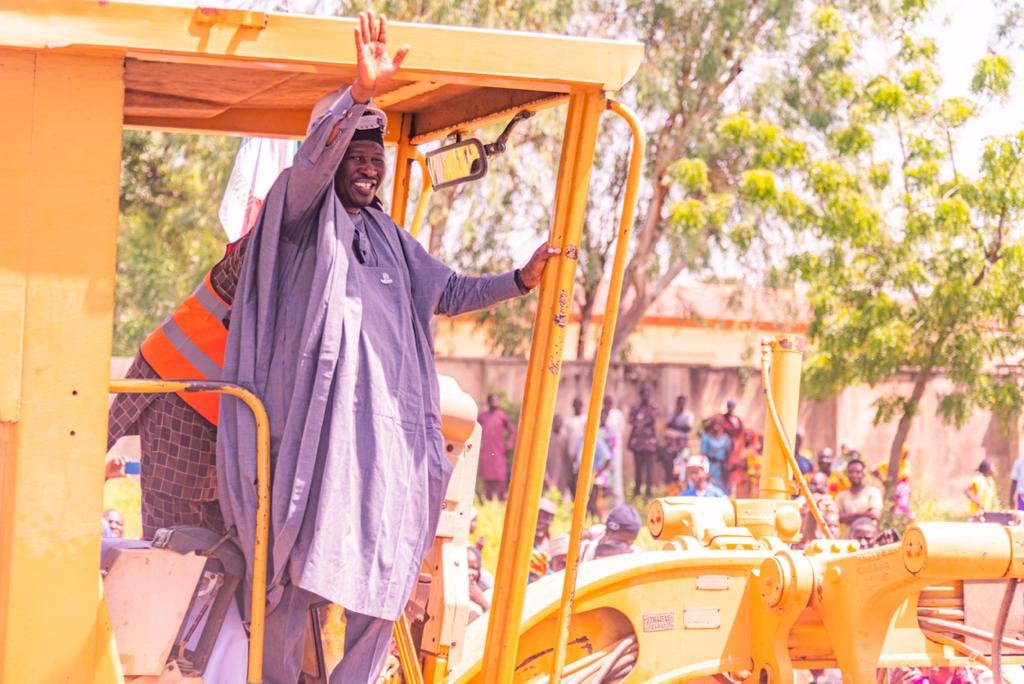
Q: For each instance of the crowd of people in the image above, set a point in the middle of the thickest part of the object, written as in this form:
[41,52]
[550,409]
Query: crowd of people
[717,456]
[662,446]
[617,535]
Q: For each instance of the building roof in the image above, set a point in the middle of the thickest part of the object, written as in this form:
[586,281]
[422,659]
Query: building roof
[721,305]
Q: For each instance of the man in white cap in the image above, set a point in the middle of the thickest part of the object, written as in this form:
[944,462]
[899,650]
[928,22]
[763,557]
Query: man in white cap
[697,467]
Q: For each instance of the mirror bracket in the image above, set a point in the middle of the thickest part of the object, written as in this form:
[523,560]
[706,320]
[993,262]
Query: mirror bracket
[499,145]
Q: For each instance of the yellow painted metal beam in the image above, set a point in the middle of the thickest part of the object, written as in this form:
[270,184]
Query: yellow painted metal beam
[61,136]
[543,373]
[493,57]
[426,192]
[405,153]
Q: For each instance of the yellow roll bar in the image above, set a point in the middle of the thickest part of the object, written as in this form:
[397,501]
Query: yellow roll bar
[259,555]
[601,362]
[542,376]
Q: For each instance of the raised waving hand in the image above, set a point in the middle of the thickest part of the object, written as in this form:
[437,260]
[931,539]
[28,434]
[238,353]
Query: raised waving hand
[375,69]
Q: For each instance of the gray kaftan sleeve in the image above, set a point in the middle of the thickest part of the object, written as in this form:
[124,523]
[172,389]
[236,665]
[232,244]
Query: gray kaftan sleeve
[452,293]
[316,161]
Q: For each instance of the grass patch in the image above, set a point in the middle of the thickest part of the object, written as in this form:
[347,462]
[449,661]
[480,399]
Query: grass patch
[491,519]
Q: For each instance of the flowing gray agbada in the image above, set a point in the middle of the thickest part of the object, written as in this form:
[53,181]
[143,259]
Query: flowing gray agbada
[342,356]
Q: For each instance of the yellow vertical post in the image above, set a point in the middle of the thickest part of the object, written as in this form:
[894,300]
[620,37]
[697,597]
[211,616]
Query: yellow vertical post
[424,199]
[602,360]
[542,375]
[785,363]
[405,153]
[60,132]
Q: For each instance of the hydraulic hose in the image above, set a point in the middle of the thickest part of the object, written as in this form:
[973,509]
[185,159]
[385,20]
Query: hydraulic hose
[997,636]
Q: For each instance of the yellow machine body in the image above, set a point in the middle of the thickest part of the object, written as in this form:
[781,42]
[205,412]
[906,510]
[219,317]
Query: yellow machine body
[726,596]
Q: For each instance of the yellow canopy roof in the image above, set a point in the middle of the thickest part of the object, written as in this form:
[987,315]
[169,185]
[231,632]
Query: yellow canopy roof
[254,72]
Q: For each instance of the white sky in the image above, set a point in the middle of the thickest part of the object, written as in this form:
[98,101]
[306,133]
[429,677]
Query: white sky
[963,30]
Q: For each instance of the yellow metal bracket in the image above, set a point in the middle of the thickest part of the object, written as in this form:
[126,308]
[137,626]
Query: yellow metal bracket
[259,570]
[210,16]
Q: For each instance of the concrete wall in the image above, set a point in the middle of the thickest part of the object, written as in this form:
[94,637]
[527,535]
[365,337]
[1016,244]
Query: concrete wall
[943,457]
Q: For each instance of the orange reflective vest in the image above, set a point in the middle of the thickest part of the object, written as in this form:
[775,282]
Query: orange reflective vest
[190,346]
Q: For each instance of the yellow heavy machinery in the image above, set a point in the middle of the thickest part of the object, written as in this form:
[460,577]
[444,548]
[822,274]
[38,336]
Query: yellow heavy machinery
[727,600]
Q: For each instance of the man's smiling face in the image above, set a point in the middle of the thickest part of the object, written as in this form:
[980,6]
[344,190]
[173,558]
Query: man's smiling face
[360,174]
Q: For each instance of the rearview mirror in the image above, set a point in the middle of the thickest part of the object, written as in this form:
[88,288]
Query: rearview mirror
[456,163]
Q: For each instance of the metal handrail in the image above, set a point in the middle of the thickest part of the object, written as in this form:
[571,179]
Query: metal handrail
[602,361]
[254,673]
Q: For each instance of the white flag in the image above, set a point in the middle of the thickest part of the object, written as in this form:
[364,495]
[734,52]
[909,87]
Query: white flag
[257,165]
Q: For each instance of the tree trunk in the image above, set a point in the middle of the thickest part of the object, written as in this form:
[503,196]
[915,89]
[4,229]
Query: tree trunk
[902,430]
[635,277]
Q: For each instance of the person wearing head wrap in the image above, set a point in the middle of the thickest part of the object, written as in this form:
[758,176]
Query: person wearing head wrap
[331,327]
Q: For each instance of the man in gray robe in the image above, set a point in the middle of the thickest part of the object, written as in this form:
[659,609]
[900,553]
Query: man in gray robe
[331,328]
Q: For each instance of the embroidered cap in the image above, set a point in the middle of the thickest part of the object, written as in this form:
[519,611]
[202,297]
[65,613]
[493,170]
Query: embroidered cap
[372,125]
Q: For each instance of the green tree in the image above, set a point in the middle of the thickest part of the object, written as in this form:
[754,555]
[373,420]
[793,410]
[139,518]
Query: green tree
[703,61]
[171,187]
[911,263]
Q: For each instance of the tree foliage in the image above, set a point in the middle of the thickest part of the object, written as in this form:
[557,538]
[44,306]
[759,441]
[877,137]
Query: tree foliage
[171,187]
[911,265]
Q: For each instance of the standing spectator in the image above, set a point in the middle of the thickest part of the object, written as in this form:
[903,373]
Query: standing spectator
[643,440]
[754,450]
[478,603]
[733,427]
[496,439]
[818,484]
[621,529]
[615,420]
[546,512]
[559,469]
[981,492]
[731,423]
[861,499]
[716,445]
[575,424]
[805,464]
[601,467]
[676,437]
[901,493]
[1017,484]
[836,479]
[697,476]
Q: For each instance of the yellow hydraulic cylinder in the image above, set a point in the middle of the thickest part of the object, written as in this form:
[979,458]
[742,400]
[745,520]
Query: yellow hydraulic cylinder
[783,403]
[943,551]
